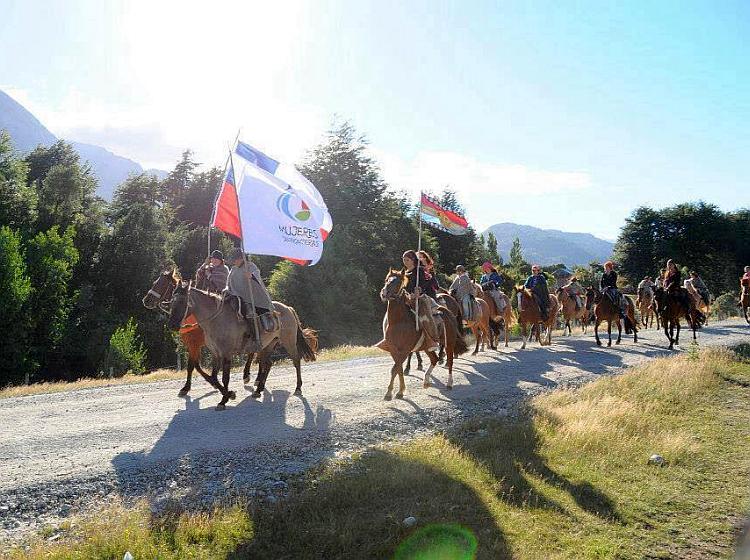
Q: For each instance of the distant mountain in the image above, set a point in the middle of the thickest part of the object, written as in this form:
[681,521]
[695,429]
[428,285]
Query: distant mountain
[551,246]
[27,133]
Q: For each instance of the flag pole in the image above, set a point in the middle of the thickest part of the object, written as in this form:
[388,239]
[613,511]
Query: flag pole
[256,323]
[419,248]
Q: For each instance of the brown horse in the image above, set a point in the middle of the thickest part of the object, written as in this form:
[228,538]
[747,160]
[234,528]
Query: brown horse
[745,298]
[529,315]
[450,303]
[291,337]
[671,308]
[570,312]
[495,316]
[606,310]
[401,336]
[480,323]
[645,303]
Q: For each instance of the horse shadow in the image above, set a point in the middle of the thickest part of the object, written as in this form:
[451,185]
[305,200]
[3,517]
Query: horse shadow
[208,456]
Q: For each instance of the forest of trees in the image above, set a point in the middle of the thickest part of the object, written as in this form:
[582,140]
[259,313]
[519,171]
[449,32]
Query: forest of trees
[74,268]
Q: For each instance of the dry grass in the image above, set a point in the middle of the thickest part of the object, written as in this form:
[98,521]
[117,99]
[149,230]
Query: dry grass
[568,478]
[335,354]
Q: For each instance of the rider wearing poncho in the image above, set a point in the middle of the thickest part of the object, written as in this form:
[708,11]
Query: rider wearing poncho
[212,276]
[244,281]
[700,287]
[492,282]
[576,291]
[425,291]
[537,283]
[463,289]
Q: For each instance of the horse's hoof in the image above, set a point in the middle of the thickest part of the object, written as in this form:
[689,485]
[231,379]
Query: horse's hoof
[183,392]
[598,343]
[256,394]
[387,397]
[427,385]
[617,342]
[399,395]
[420,368]
[220,407]
[298,392]
[246,379]
[232,395]
[609,344]
[449,387]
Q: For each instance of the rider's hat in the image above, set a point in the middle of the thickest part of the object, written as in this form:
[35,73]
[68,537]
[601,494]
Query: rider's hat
[460,268]
[217,255]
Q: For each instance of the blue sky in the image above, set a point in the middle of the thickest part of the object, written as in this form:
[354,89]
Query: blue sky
[553,114]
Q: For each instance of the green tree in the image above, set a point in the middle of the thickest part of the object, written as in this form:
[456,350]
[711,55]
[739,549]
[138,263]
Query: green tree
[50,258]
[15,285]
[492,248]
[516,255]
[18,200]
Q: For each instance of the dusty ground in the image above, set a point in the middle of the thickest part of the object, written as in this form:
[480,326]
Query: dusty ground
[62,452]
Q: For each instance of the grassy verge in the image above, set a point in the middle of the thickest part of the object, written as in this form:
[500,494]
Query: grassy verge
[568,478]
[338,353]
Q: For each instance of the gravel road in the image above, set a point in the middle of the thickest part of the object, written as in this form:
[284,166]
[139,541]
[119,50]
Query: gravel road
[64,451]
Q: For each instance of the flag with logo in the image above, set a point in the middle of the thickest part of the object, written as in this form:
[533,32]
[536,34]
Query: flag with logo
[432,213]
[272,207]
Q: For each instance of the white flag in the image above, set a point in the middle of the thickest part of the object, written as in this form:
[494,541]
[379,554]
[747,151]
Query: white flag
[282,213]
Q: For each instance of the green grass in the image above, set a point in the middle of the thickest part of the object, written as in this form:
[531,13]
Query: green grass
[567,478]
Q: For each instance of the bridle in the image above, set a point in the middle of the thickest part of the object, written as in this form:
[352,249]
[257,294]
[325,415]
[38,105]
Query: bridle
[163,299]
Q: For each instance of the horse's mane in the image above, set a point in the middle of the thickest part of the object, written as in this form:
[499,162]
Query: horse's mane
[206,293]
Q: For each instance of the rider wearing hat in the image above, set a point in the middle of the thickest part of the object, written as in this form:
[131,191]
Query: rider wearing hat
[212,275]
[462,289]
[537,283]
[492,282]
[244,279]
[576,291]
[608,286]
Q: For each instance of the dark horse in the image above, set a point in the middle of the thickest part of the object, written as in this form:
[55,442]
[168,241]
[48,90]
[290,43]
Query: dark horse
[670,307]
[606,310]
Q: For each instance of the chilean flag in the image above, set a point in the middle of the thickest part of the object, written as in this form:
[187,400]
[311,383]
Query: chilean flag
[227,211]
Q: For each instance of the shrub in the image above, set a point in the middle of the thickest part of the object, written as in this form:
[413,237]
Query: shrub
[725,306]
[126,352]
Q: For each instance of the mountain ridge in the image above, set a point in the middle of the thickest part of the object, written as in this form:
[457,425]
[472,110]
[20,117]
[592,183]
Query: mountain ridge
[27,132]
[550,246]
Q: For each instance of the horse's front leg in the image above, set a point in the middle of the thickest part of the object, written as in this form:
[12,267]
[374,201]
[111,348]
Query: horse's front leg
[433,360]
[609,332]
[226,393]
[677,337]
[420,367]
[524,333]
[475,331]
[597,322]
[186,388]
[298,368]
[619,332]
[407,369]
[246,371]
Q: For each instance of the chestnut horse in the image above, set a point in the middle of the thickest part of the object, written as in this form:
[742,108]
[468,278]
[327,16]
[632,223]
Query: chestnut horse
[450,303]
[646,308]
[480,324]
[495,317]
[529,314]
[606,310]
[569,311]
[670,310]
[401,336]
[745,298]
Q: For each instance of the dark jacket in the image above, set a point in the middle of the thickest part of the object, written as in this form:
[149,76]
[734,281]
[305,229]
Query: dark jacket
[672,281]
[427,283]
[609,280]
[493,277]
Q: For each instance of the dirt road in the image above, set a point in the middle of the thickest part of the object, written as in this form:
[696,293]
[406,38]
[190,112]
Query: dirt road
[63,450]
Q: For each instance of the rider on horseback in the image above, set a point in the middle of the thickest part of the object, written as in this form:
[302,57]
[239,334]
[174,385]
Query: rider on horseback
[643,286]
[463,289]
[492,282]
[212,275]
[700,287]
[537,283]
[576,291]
[608,286]
[246,280]
[425,291]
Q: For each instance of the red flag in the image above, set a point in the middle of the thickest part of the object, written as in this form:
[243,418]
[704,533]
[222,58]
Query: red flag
[227,212]
[434,214]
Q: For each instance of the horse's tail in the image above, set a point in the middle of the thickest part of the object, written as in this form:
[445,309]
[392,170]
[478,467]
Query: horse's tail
[303,348]
[459,343]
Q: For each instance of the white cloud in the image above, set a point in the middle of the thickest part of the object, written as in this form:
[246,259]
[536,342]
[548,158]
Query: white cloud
[470,176]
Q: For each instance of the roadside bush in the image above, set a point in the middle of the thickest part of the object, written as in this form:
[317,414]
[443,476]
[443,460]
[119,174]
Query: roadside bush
[126,352]
[725,306]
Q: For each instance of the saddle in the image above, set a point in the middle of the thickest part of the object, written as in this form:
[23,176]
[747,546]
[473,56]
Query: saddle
[269,321]
[489,286]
